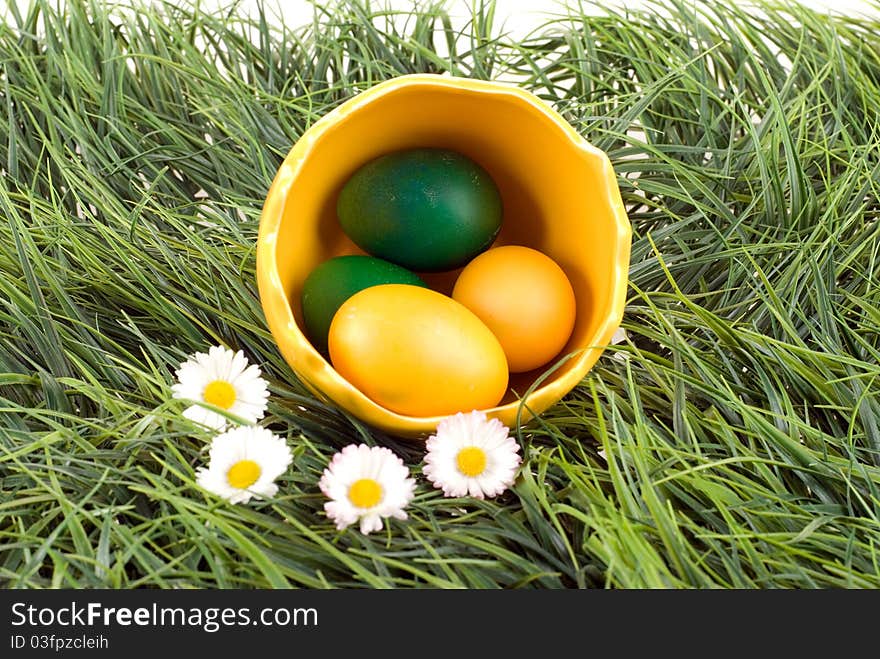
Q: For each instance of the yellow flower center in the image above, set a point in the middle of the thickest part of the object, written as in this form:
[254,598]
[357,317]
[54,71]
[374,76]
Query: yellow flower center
[220,393]
[243,474]
[365,493]
[471,461]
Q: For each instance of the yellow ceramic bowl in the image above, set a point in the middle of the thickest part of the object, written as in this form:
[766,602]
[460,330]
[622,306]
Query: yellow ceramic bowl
[560,196]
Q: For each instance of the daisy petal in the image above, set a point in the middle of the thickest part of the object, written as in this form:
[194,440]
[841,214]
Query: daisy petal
[366,484]
[488,476]
[243,463]
[221,378]
[205,417]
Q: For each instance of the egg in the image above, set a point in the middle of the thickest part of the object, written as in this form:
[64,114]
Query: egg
[417,352]
[336,280]
[525,298]
[425,209]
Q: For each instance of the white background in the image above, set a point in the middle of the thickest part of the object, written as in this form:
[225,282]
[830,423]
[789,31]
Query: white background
[521,16]
[517,16]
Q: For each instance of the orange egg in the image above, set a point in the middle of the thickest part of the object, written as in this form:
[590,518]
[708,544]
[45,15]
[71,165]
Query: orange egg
[524,297]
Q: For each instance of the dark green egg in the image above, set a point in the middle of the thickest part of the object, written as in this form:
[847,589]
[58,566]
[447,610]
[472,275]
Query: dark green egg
[336,280]
[425,209]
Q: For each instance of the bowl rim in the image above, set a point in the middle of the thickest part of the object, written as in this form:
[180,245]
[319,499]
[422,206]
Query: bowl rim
[318,375]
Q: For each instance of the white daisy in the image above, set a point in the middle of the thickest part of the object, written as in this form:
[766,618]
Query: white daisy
[471,454]
[366,483]
[244,462]
[221,378]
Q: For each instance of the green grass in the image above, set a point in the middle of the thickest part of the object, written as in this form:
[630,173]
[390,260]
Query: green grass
[732,441]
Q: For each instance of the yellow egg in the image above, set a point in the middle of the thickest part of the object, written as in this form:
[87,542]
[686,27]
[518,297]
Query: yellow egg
[417,352]
[525,298]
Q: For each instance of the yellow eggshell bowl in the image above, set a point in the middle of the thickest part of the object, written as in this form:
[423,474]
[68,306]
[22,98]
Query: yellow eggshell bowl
[559,195]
